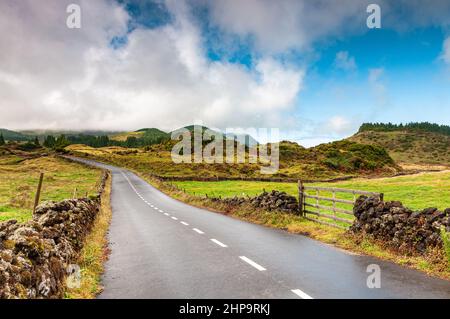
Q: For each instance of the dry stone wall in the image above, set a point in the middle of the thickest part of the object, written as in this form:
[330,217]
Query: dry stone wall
[271,201]
[35,256]
[399,226]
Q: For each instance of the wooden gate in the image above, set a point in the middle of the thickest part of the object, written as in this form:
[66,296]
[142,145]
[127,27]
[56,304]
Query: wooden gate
[313,202]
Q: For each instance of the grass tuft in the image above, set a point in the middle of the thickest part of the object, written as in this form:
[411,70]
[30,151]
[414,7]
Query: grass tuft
[95,252]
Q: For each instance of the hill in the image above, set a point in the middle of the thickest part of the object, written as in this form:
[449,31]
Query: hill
[415,143]
[13,136]
[326,161]
[249,140]
[145,136]
[410,127]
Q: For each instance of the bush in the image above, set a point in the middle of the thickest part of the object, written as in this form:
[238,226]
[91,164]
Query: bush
[28,146]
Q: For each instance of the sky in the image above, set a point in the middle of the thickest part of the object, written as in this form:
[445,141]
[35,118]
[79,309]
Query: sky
[313,69]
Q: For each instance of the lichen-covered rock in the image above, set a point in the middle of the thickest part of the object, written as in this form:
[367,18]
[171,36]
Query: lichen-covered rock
[274,200]
[397,225]
[34,256]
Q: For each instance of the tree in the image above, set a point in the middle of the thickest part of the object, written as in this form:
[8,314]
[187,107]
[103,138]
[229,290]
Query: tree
[61,142]
[49,141]
[131,141]
[2,140]
[36,141]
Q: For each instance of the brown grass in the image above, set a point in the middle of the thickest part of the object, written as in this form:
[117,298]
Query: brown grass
[95,251]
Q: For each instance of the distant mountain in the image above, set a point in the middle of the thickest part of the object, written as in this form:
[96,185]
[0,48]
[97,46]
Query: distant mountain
[414,143]
[249,140]
[153,135]
[144,136]
[42,133]
[13,136]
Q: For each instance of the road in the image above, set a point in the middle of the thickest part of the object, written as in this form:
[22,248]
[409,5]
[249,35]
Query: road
[163,248]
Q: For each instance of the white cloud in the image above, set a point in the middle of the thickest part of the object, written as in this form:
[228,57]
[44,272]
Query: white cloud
[339,124]
[344,61]
[381,96]
[277,26]
[446,51]
[55,77]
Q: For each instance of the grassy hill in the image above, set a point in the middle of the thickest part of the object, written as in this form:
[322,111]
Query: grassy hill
[409,144]
[122,137]
[13,136]
[326,161]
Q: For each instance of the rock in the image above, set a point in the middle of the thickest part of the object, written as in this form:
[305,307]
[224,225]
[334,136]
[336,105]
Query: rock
[34,256]
[272,201]
[397,225]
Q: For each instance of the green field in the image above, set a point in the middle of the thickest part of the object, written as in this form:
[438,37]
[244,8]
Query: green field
[19,178]
[414,191]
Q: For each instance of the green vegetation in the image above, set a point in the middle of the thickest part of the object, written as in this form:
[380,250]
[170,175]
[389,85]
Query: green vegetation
[2,140]
[413,126]
[94,252]
[414,191]
[410,147]
[350,156]
[326,161]
[13,136]
[19,177]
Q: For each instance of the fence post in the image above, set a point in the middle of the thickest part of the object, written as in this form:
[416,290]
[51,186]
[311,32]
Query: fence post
[300,197]
[38,192]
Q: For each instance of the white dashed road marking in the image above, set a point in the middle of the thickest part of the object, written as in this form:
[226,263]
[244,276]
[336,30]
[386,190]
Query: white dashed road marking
[298,292]
[218,243]
[252,263]
[301,294]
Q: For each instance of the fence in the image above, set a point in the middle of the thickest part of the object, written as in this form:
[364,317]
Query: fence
[340,215]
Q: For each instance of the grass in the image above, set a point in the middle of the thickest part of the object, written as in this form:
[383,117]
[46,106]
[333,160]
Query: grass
[94,252]
[19,178]
[414,191]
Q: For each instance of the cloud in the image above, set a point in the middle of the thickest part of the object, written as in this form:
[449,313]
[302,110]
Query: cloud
[55,77]
[381,96]
[339,125]
[277,26]
[446,51]
[344,61]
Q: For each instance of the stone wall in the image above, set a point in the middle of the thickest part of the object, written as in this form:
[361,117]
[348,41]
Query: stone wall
[34,256]
[399,226]
[274,200]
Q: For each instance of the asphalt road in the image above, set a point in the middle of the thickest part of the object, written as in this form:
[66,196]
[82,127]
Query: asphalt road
[162,248]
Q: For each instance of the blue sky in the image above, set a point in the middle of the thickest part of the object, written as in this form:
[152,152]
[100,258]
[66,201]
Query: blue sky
[409,82]
[311,68]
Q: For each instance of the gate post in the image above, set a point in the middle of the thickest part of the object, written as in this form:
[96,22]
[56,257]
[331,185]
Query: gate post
[300,197]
